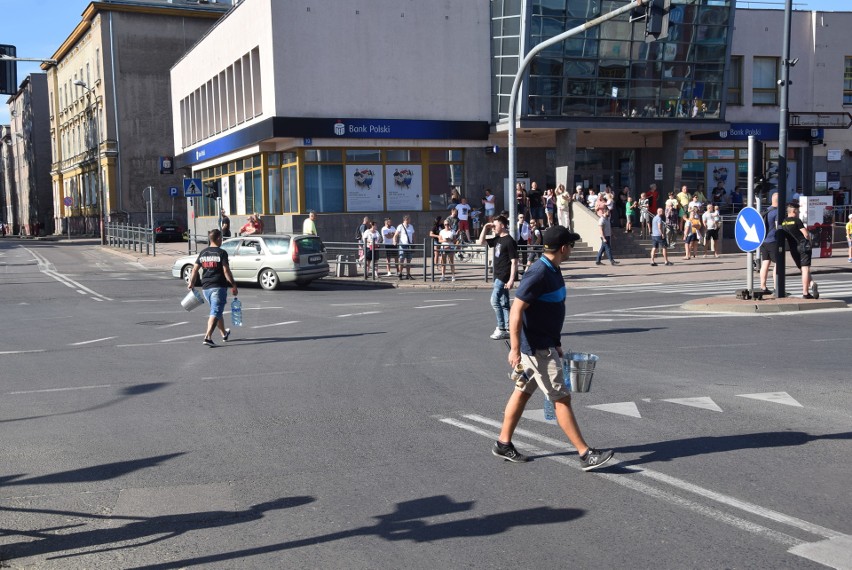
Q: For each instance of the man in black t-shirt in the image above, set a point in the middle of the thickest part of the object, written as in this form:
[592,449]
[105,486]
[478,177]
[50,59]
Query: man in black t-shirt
[800,248]
[505,269]
[212,262]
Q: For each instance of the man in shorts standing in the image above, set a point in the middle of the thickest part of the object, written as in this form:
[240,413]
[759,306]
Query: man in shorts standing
[658,238]
[505,269]
[535,326]
[404,239]
[711,221]
[800,249]
[215,278]
[391,255]
[463,210]
[769,247]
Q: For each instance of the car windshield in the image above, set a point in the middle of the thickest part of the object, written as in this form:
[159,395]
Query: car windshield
[310,244]
[167,223]
[278,246]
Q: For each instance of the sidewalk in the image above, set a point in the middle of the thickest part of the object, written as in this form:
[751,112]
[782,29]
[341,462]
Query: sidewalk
[580,273]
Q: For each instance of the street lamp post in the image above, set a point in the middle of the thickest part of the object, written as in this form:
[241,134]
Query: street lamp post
[100,187]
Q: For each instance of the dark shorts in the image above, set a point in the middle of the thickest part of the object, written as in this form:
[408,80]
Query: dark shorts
[713,234]
[537,213]
[659,242]
[691,238]
[391,251]
[801,253]
[768,250]
[370,254]
[405,251]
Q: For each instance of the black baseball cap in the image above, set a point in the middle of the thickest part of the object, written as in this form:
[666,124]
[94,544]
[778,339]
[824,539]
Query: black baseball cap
[557,236]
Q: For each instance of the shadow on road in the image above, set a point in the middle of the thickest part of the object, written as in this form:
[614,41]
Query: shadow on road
[124,394]
[615,331]
[679,448]
[88,474]
[405,523]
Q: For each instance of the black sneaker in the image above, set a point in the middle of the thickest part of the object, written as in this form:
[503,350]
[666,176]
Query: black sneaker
[808,296]
[209,342]
[814,289]
[653,264]
[227,335]
[508,452]
[766,291]
[595,459]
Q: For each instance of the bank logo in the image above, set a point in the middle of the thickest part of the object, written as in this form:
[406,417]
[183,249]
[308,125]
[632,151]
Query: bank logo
[723,134]
[339,128]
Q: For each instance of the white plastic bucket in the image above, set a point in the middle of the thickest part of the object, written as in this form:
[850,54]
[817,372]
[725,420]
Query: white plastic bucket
[578,369]
[192,300]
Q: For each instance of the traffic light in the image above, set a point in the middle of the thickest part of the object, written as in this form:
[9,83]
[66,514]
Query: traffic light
[8,71]
[657,20]
[761,184]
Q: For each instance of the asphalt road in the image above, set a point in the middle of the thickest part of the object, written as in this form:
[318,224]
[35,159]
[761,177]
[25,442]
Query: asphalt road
[350,428]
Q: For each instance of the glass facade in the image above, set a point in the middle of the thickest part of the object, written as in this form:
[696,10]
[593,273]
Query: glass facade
[610,70]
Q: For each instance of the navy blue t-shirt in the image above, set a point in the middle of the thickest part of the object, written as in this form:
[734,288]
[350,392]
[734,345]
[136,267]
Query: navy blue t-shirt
[771,223]
[543,288]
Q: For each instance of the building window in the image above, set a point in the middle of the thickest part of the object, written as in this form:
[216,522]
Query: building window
[735,81]
[97,64]
[764,81]
[847,82]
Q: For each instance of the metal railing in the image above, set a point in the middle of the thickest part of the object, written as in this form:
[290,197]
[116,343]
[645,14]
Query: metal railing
[135,238]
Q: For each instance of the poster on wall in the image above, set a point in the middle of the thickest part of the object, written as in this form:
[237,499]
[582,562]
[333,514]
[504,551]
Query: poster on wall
[404,187]
[241,193]
[772,176]
[364,188]
[724,173]
[225,184]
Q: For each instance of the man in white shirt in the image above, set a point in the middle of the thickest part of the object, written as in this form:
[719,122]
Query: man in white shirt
[391,255]
[404,238]
[463,210]
[489,203]
[711,221]
[309,226]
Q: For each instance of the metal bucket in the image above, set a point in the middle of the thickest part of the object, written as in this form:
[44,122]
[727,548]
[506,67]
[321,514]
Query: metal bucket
[192,300]
[578,369]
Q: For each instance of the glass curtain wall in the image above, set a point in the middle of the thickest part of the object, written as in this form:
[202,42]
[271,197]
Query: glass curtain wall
[610,70]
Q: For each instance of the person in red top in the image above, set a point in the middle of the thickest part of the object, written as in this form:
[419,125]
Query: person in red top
[653,196]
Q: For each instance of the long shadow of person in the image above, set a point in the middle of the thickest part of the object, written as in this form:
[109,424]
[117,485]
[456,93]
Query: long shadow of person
[406,523]
[679,448]
[155,529]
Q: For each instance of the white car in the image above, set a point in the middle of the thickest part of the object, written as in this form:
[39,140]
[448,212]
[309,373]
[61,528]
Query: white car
[268,260]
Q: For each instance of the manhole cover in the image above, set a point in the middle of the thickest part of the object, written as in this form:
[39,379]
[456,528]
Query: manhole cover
[154,323]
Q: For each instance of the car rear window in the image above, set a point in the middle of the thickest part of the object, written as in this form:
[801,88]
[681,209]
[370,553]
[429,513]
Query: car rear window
[311,244]
[278,246]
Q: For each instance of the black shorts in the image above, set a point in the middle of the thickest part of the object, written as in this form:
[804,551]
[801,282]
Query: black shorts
[768,250]
[801,253]
[713,234]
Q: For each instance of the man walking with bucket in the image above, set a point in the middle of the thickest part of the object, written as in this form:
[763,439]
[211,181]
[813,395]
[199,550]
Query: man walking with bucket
[535,328]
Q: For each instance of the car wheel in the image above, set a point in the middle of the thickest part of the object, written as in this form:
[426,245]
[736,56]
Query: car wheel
[186,272]
[268,279]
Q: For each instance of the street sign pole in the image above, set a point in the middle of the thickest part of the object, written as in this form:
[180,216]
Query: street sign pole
[784,122]
[750,203]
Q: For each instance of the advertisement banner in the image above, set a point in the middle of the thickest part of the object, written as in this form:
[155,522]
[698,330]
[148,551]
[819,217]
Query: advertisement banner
[241,193]
[225,185]
[404,187]
[365,189]
[723,173]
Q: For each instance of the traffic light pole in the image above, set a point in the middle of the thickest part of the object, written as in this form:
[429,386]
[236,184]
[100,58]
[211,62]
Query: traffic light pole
[780,270]
[516,86]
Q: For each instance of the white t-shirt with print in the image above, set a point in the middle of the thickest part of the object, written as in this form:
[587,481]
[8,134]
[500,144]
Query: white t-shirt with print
[463,210]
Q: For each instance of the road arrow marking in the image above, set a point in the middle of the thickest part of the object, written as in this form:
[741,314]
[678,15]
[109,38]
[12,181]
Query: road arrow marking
[623,408]
[701,402]
[750,231]
[776,397]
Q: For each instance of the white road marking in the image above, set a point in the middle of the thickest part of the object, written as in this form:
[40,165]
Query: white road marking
[359,314]
[45,267]
[776,397]
[142,344]
[141,300]
[831,339]
[834,552]
[182,337]
[91,341]
[96,299]
[245,374]
[20,351]
[274,324]
[701,402]
[623,408]
[442,300]
[60,389]
[751,508]
[435,306]
[173,325]
[351,304]
[632,484]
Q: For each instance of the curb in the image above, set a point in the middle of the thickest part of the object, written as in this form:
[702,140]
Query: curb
[788,305]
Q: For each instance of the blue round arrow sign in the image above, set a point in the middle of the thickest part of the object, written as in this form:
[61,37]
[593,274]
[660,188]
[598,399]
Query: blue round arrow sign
[750,230]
